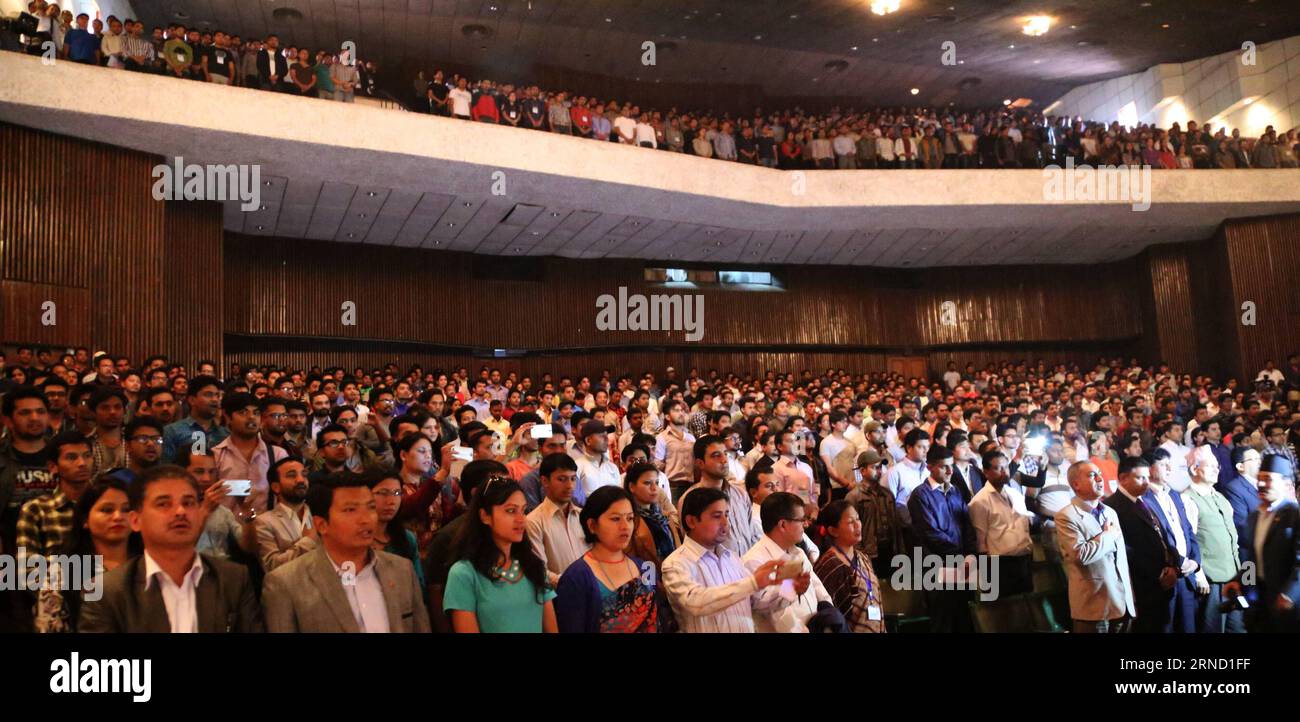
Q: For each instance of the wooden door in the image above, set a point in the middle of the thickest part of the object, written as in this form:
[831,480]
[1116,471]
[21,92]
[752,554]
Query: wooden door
[909,366]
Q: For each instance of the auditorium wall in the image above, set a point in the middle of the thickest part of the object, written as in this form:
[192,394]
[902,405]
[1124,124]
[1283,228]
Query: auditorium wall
[125,273]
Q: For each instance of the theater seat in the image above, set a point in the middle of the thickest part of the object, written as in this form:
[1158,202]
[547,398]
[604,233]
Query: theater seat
[904,609]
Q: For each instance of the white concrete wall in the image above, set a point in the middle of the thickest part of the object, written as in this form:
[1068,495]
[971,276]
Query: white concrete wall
[1222,90]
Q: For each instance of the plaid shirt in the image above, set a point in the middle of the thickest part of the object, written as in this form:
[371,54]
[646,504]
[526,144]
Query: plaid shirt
[106,458]
[45,524]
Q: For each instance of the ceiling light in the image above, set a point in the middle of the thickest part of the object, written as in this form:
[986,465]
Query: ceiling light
[1007,101]
[916,91]
[1036,25]
[854,48]
[1165,26]
[884,7]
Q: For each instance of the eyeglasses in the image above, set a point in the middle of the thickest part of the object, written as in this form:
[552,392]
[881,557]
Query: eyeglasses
[336,443]
[142,439]
[277,417]
[389,493]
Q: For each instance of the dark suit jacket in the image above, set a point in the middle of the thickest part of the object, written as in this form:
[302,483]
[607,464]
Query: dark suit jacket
[968,487]
[264,60]
[1243,496]
[224,598]
[1193,549]
[1281,573]
[1144,542]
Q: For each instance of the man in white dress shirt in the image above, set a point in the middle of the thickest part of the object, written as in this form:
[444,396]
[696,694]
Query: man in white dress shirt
[595,468]
[1181,478]
[1001,521]
[788,605]
[910,472]
[705,581]
[553,527]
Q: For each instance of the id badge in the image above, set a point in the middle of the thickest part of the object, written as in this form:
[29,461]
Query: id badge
[874,613]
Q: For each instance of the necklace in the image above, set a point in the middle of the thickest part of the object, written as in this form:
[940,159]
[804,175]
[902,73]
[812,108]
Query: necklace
[601,566]
[511,574]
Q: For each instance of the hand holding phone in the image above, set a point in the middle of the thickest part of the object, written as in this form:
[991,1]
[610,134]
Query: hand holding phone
[463,453]
[791,569]
[238,487]
[542,431]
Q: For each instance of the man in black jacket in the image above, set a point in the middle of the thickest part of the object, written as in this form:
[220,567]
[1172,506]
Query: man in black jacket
[272,67]
[1273,552]
[1152,569]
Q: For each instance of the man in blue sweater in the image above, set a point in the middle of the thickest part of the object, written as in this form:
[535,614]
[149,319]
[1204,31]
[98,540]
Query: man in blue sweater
[941,526]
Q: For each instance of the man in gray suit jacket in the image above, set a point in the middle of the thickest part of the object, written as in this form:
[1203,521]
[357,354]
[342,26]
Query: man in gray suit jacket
[344,585]
[1092,551]
[171,587]
[285,532]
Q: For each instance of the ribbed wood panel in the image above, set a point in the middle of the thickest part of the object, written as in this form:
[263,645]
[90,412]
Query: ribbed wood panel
[1264,262]
[1173,304]
[192,279]
[294,288]
[23,313]
[78,224]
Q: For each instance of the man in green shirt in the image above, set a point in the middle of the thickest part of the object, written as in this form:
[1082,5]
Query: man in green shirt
[1210,515]
[324,80]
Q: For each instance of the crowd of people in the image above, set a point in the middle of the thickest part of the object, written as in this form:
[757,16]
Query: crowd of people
[880,138]
[416,500]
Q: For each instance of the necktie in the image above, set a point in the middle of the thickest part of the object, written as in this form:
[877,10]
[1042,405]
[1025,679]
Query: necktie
[1099,514]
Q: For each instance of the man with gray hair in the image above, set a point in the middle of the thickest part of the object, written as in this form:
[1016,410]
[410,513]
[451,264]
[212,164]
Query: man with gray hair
[1092,550]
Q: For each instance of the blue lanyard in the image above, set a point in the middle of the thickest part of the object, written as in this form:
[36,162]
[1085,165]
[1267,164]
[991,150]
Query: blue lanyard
[853,564]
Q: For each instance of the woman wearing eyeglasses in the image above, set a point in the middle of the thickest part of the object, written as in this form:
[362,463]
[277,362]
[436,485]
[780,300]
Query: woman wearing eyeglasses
[608,590]
[846,572]
[499,584]
[390,535]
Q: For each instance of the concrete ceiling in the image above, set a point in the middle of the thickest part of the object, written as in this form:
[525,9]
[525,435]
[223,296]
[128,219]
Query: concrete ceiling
[783,47]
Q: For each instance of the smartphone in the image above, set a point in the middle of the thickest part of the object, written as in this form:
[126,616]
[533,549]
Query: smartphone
[789,570]
[1035,445]
[464,453]
[238,487]
[542,431]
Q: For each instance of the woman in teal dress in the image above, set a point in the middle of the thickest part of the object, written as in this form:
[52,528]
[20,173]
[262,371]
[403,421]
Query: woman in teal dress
[499,584]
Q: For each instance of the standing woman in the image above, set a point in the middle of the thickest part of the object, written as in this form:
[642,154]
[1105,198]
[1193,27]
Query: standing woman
[656,536]
[608,590]
[100,526]
[846,572]
[499,584]
[390,535]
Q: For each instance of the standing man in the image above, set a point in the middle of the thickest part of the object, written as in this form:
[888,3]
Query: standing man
[674,447]
[553,527]
[1242,492]
[1273,546]
[345,585]
[710,454]
[942,527]
[1002,524]
[1154,565]
[704,579]
[171,587]
[204,397]
[595,468]
[1216,536]
[286,532]
[1091,542]
[1179,536]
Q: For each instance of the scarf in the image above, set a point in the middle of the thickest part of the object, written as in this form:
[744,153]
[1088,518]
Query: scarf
[659,529]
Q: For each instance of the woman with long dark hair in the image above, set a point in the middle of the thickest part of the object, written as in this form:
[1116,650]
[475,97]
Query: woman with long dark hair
[100,530]
[608,590]
[499,584]
[391,536]
[656,536]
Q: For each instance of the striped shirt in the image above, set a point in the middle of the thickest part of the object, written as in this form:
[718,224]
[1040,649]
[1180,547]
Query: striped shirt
[45,523]
[709,589]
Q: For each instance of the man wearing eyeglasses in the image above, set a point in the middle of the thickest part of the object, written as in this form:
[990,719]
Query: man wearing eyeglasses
[788,605]
[333,447]
[143,444]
